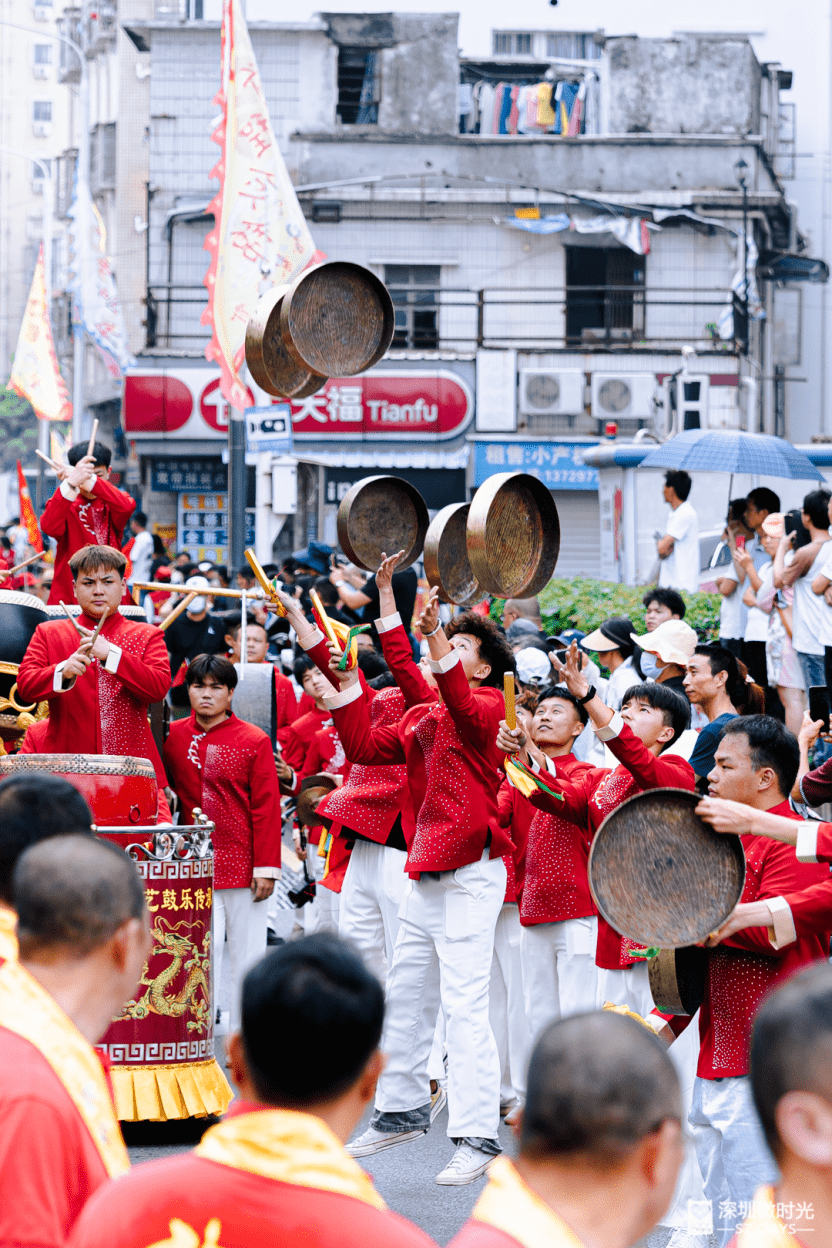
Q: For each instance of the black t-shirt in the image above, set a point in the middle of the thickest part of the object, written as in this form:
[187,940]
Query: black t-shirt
[186,638]
[405,585]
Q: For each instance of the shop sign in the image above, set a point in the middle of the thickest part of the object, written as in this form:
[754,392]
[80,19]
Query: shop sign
[172,476]
[559,465]
[426,404]
[203,526]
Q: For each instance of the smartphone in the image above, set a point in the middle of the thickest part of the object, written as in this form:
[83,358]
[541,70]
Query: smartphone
[780,601]
[819,705]
[739,541]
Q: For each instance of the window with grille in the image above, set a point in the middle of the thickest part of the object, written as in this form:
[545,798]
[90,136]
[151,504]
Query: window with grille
[414,289]
[42,110]
[512,43]
[195,10]
[103,155]
[572,45]
[604,295]
[358,86]
[43,53]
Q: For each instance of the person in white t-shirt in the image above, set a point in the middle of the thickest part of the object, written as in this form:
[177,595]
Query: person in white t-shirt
[822,587]
[810,611]
[679,548]
[730,580]
[141,552]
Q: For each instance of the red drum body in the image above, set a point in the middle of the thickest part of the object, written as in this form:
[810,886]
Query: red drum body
[120,792]
[161,1046]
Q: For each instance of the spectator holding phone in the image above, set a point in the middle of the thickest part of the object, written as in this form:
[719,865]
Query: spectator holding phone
[730,577]
[810,611]
[783,666]
[822,588]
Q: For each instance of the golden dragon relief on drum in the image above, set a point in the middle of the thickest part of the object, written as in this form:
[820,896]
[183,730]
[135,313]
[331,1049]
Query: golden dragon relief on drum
[173,939]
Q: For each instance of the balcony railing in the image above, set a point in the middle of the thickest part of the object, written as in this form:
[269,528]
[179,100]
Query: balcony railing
[617,319]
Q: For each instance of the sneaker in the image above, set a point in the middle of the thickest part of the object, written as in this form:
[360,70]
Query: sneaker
[514,1114]
[438,1101]
[507,1106]
[373,1141]
[466,1165]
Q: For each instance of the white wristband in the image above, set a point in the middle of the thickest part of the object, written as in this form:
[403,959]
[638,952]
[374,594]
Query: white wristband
[433,634]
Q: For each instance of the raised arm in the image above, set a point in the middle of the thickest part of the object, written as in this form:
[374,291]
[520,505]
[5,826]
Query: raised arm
[362,742]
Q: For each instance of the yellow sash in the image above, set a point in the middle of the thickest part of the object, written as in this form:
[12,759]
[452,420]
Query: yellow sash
[512,1207]
[762,1228]
[30,1012]
[8,934]
[290,1148]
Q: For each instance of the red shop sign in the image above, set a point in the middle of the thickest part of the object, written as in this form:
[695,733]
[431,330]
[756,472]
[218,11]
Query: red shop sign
[434,404]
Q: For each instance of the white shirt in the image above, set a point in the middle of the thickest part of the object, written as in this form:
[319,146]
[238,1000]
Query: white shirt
[622,679]
[810,614]
[757,622]
[826,610]
[680,570]
[732,610]
[141,556]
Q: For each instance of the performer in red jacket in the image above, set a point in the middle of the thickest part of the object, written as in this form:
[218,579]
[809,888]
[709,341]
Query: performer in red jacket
[458,882]
[756,763]
[557,913]
[84,510]
[226,767]
[257,646]
[275,1169]
[98,697]
[652,717]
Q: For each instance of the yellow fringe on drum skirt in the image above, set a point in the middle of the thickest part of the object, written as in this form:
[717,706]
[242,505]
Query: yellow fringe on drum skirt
[162,1093]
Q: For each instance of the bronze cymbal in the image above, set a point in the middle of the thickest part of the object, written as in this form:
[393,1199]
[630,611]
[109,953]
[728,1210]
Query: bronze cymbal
[336,319]
[381,515]
[513,535]
[447,565]
[270,364]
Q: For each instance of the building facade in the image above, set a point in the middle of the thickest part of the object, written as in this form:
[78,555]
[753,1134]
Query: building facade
[564,228]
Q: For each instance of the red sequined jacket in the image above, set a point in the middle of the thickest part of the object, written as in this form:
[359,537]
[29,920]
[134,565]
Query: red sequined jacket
[77,522]
[229,773]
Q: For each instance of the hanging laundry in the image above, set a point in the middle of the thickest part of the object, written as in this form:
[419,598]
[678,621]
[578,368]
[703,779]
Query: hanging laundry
[577,111]
[567,102]
[557,97]
[502,108]
[486,107]
[545,112]
[514,112]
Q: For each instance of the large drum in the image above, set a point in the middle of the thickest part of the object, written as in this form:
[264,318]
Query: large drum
[20,615]
[161,1045]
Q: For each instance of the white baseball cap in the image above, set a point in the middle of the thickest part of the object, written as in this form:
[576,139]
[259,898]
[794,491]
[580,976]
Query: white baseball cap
[674,641]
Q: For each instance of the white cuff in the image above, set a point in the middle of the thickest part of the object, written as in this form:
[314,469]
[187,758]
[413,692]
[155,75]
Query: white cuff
[70,492]
[113,659]
[311,639]
[536,768]
[610,730]
[343,697]
[266,873]
[807,842]
[58,679]
[445,663]
[781,930]
[388,622]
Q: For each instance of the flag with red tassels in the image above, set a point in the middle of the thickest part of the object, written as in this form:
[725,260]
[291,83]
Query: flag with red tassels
[27,512]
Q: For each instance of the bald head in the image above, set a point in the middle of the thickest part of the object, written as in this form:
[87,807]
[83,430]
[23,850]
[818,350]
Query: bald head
[791,1046]
[523,609]
[598,1084]
[74,893]
[34,806]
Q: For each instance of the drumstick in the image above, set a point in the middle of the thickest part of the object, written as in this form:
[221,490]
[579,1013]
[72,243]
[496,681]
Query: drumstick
[177,610]
[508,694]
[72,619]
[51,462]
[19,566]
[324,618]
[265,583]
[93,436]
[98,629]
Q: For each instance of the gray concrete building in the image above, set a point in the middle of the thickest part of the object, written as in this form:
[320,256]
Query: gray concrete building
[555,222]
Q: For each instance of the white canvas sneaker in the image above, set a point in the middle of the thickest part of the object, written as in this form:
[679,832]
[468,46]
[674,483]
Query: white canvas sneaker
[373,1141]
[438,1101]
[466,1165]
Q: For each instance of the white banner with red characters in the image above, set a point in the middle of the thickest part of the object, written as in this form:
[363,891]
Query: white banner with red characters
[260,238]
[423,405]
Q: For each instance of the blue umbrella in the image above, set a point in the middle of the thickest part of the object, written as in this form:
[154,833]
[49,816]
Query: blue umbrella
[729,450]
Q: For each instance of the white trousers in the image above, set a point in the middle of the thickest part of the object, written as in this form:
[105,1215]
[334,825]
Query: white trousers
[320,915]
[370,898]
[243,921]
[689,1196]
[731,1149]
[560,977]
[443,956]
[507,1010]
[629,987]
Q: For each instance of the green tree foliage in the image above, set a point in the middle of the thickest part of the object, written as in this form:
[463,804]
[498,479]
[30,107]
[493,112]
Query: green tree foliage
[18,430]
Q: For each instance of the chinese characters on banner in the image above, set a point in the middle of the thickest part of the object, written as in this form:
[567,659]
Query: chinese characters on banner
[36,375]
[95,302]
[382,404]
[260,238]
[203,527]
[559,465]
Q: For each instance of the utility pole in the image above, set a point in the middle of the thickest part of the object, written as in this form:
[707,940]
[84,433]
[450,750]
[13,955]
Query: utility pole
[81,240]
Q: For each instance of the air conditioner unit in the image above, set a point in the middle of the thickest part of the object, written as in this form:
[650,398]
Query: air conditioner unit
[41,71]
[41,129]
[621,396]
[43,12]
[547,392]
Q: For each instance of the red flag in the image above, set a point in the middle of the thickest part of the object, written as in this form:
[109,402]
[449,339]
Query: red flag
[27,512]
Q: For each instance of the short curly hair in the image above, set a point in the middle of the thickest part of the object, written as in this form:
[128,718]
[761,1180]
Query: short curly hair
[493,647]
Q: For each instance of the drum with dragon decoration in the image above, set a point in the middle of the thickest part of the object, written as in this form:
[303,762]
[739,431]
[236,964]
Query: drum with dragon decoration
[161,1046]
[20,615]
